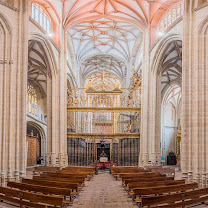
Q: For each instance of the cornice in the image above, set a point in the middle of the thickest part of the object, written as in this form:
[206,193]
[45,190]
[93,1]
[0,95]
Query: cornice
[9,6]
[35,119]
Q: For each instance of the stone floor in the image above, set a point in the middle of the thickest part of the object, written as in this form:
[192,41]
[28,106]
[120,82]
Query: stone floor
[103,191]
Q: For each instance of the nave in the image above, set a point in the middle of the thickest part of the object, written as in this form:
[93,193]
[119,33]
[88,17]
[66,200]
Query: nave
[87,84]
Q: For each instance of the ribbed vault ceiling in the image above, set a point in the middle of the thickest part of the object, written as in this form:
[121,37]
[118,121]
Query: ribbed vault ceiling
[131,10]
[103,63]
[171,65]
[38,67]
[105,35]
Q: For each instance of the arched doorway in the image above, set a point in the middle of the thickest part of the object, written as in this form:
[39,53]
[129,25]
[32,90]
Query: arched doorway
[170,122]
[36,145]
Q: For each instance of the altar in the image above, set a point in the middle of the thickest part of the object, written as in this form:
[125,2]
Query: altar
[102,164]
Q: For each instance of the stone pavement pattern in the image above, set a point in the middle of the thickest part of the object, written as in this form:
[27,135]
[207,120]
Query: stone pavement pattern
[103,191]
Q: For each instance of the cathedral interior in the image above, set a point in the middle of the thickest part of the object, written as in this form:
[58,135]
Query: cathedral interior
[100,84]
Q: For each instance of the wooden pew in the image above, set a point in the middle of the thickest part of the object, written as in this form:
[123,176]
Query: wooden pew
[162,170]
[135,185]
[65,192]
[126,169]
[138,175]
[116,171]
[87,175]
[129,171]
[154,179]
[71,180]
[28,199]
[67,185]
[79,169]
[44,169]
[62,175]
[138,192]
[175,200]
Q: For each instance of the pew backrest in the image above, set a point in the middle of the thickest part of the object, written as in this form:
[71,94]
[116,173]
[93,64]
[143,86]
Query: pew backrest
[153,184]
[40,189]
[68,185]
[49,178]
[177,199]
[33,199]
[154,179]
[164,189]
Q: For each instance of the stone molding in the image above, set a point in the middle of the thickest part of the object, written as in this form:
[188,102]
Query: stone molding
[160,38]
[9,6]
[45,33]
[6,62]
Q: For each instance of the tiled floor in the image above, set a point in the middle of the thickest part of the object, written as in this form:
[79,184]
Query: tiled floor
[103,191]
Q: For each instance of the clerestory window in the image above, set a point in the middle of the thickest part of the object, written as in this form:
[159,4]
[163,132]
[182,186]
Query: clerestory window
[170,17]
[40,15]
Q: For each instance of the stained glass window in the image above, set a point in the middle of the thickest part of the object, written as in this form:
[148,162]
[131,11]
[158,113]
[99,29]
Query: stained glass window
[31,100]
[173,14]
[40,15]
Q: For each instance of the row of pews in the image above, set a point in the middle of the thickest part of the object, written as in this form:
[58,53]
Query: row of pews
[51,188]
[153,189]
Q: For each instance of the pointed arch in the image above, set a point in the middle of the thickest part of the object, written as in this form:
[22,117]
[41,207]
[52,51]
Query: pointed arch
[47,51]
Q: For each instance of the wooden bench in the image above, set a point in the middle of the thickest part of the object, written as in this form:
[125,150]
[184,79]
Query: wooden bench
[28,199]
[162,170]
[49,178]
[175,200]
[129,171]
[45,169]
[138,192]
[136,175]
[65,192]
[87,175]
[154,179]
[79,169]
[68,185]
[135,185]
[62,175]
[115,170]
[117,175]
[139,174]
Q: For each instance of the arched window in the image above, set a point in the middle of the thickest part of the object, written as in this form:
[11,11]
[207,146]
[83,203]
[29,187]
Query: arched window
[40,15]
[173,14]
[31,100]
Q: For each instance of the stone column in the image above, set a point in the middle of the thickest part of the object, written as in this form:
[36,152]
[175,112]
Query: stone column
[186,145]
[145,147]
[63,97]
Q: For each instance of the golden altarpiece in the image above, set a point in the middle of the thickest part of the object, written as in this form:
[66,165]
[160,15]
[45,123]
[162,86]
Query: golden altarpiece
[104,114]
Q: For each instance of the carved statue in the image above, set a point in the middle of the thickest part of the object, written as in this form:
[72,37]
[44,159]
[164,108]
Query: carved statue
[116,85]
[90,84]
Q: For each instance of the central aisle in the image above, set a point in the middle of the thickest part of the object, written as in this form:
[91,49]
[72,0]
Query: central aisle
[103,191]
